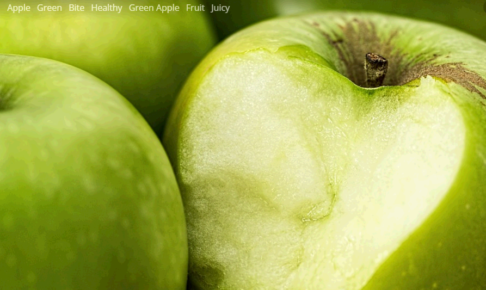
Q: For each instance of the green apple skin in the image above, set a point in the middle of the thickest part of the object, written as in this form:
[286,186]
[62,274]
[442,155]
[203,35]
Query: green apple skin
[88,197]
[146,56]
[295,176]
[467,16]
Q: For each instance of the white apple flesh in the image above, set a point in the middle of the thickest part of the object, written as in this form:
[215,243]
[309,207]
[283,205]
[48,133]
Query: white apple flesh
[294,177]
[88,199]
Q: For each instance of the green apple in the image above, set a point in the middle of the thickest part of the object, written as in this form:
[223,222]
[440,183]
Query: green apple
[88,199]
[296,173]
[146,56]
[466,15]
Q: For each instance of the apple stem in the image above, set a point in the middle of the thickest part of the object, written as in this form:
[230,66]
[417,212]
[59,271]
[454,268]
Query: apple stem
[375,69]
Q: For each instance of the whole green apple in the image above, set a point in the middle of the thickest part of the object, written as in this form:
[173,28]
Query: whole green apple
[88,199]
[466,15]
[144,55]
[300,170]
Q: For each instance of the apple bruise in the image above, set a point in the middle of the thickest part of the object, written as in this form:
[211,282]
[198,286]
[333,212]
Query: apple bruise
[359,37]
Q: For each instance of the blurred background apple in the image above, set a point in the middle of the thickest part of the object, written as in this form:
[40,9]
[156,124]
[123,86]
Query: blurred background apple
[88,199]
[146,56]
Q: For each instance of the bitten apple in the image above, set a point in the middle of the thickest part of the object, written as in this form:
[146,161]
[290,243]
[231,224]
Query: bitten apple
[335,151]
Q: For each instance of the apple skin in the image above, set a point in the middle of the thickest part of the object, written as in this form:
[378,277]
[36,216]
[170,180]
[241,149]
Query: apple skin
[146,56]
[88,197]
[467,16]
[241,220]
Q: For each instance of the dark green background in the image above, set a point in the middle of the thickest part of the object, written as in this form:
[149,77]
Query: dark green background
[469,16]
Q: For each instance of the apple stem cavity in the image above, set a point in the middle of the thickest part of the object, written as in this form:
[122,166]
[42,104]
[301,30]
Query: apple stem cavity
[375,69]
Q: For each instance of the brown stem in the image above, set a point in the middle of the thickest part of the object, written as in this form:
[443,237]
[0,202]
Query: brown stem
[375,70]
